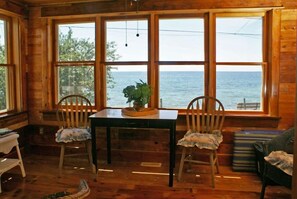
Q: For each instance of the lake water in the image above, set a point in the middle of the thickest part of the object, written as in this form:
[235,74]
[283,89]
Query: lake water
[178,88]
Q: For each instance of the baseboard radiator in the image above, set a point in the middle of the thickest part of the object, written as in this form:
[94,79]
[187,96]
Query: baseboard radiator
[243,152]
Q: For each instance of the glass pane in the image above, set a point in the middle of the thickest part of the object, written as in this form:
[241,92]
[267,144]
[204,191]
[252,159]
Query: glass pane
[180,84]
[118,78]
[76,42]
[3,88]
[240,87]
[181,39]
[3,48]
[134,33]
[239,39]
[76,80]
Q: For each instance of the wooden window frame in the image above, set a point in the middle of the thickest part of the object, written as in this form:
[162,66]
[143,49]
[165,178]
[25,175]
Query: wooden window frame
[210,58]
[105,63]
[57,63]
[264,62]
[11,67]
[177,63]
[270,53]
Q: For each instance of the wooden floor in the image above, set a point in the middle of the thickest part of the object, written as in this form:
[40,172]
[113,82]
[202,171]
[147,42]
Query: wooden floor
[122,180]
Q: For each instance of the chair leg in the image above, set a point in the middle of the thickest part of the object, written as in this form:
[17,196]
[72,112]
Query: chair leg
[89,150]
[0,183]
[217,161]
[61,158]
[189,157]
[211,159]
[181,164]
[88,145]
[264,181]
[21,161]
[263,188]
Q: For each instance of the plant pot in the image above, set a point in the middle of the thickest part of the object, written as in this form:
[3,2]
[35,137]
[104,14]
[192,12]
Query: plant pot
[137,106]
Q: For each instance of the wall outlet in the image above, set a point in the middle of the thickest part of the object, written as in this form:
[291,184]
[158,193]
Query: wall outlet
[41,130]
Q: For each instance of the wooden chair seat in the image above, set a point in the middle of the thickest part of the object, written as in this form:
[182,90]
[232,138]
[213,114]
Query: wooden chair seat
[205,118]
[73,116]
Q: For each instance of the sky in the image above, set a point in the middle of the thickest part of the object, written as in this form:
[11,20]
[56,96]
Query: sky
[1,32]
[238,40]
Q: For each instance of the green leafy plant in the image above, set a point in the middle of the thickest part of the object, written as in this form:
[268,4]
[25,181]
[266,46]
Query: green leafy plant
[140,93]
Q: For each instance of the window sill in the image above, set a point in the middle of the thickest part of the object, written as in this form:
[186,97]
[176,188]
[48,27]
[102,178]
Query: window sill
[12,114]
[14,120]
[244,121]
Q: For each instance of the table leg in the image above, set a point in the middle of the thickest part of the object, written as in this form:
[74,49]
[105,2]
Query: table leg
[94,147]
[172,155]
[174,142]
[108,145]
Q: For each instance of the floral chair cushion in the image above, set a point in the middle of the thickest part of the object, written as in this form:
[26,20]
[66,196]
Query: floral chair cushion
[73,134]
[281,160]
[202,140]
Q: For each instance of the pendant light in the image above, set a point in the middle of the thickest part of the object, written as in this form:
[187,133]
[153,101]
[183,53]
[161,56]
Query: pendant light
[126,22]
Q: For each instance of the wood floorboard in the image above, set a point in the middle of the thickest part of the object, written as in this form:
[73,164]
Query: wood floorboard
[117,181]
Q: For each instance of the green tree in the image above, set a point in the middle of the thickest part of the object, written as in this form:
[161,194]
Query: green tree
[80,79]
[3,76]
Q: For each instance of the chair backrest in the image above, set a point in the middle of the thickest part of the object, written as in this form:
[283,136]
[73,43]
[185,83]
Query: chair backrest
[73,111]
[205,114]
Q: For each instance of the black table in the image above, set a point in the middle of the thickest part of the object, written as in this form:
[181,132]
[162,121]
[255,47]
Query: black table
[164,119]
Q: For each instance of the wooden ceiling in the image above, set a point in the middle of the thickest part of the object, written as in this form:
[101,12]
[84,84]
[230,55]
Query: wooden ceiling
[54,2]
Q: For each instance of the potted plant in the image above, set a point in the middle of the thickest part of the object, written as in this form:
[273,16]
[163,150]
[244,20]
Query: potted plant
[140,94]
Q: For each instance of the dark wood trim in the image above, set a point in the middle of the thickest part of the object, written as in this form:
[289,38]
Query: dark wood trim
[148,5]
[17,8]
[13,118]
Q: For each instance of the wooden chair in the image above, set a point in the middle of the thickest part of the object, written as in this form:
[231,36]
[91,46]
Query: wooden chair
[72,114]
[205,118]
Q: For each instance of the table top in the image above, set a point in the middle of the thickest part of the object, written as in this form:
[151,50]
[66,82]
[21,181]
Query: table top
[117,113]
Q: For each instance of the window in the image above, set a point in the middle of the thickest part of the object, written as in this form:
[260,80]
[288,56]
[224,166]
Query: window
[75,61]
[239,62]
[181,56]
[126,57]
[6,69]
[181,61]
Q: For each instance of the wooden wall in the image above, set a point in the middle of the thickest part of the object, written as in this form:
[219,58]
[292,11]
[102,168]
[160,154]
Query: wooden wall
[152,144]
[287,85]
[17,119]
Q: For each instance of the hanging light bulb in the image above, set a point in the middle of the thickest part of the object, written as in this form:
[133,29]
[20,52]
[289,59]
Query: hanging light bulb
[137,33]
[126,28]
[137,9]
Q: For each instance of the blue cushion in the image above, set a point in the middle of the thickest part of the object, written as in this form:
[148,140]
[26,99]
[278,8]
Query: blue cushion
[73,134]
[202,140]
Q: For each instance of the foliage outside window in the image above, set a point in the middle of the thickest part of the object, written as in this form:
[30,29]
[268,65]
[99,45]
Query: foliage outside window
[76,55]
[76,60]
[5,67]
[129,63]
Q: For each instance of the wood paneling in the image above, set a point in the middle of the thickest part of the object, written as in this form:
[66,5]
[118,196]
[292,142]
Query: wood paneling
[287,67]
[129,145]
[55,2]
[13,7]
[14,121]
[37,73]
[119,6]
[151,146]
